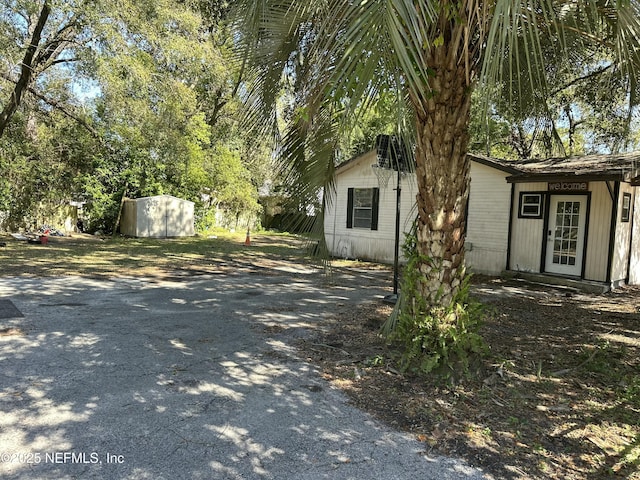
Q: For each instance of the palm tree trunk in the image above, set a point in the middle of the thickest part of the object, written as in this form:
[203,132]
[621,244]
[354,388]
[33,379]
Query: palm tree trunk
[443,179]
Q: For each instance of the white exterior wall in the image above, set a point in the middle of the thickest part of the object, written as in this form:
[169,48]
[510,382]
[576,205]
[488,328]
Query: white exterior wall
[487,220]
[526,233]
[622,239]
[362,243]
[179,217]
[487,224]
[634,263]
[151,217]
[597,248]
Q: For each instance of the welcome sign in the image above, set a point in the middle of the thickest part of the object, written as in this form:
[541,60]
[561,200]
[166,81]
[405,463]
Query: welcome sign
[568,186]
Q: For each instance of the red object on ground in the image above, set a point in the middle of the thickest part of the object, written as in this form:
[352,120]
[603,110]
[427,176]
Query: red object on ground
[247,241]
[44,239]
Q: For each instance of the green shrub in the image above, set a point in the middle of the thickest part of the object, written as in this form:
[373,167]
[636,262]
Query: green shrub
[435,339]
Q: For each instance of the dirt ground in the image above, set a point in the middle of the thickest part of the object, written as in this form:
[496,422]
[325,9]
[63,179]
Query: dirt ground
[559,397]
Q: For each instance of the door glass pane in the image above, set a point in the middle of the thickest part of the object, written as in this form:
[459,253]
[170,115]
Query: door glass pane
[565,241]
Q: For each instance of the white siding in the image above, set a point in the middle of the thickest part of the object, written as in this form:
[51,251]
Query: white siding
[526,234]
[622,241]
[487,227]
[487,224]
[179,217]
[151,217]
[598,236]
[487,220]
[634,264]
[362,243]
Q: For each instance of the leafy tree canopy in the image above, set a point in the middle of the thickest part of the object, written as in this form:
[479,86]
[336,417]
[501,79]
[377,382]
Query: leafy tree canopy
[148,86]
[334,58]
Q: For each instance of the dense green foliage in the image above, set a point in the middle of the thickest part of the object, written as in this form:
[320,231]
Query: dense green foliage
[125,98]
[589,109]
[343,63]
[142,98]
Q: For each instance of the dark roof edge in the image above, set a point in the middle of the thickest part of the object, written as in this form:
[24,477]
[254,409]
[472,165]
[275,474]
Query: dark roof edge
[502,165]
[519,175]
[567,177]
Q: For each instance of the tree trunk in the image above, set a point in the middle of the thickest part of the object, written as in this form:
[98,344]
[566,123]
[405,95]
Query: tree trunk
[116,225]
[443,176]
[27,68]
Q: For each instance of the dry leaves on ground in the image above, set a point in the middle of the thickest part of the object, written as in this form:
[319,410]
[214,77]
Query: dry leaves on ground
[560,396]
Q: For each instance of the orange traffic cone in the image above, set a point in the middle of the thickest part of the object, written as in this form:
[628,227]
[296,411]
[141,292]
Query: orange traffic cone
[247,240]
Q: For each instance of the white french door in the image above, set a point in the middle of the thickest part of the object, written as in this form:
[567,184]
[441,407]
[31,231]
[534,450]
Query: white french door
[565,235]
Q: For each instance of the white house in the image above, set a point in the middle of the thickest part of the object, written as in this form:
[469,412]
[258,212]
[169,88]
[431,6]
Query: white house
[575,217]
[160,216]
[359,220]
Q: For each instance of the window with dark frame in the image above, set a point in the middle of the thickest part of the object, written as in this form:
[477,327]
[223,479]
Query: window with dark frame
[530,205]
[362,208]
[625,213]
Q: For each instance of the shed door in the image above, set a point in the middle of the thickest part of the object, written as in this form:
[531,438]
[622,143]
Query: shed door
[565,236]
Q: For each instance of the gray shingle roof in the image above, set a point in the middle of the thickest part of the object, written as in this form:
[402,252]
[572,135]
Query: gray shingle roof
[622,166]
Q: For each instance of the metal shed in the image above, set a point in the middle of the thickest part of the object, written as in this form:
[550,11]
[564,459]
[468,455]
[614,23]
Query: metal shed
[160,216]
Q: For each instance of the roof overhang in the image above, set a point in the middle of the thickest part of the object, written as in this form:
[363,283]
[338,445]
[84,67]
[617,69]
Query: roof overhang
[557,177]
[501,165]
[589,168]
[354,161]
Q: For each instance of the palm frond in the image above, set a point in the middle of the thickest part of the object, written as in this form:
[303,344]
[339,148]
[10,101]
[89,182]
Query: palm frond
[317,67]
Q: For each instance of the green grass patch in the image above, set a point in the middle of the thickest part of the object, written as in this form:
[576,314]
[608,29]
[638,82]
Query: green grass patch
[93,256]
